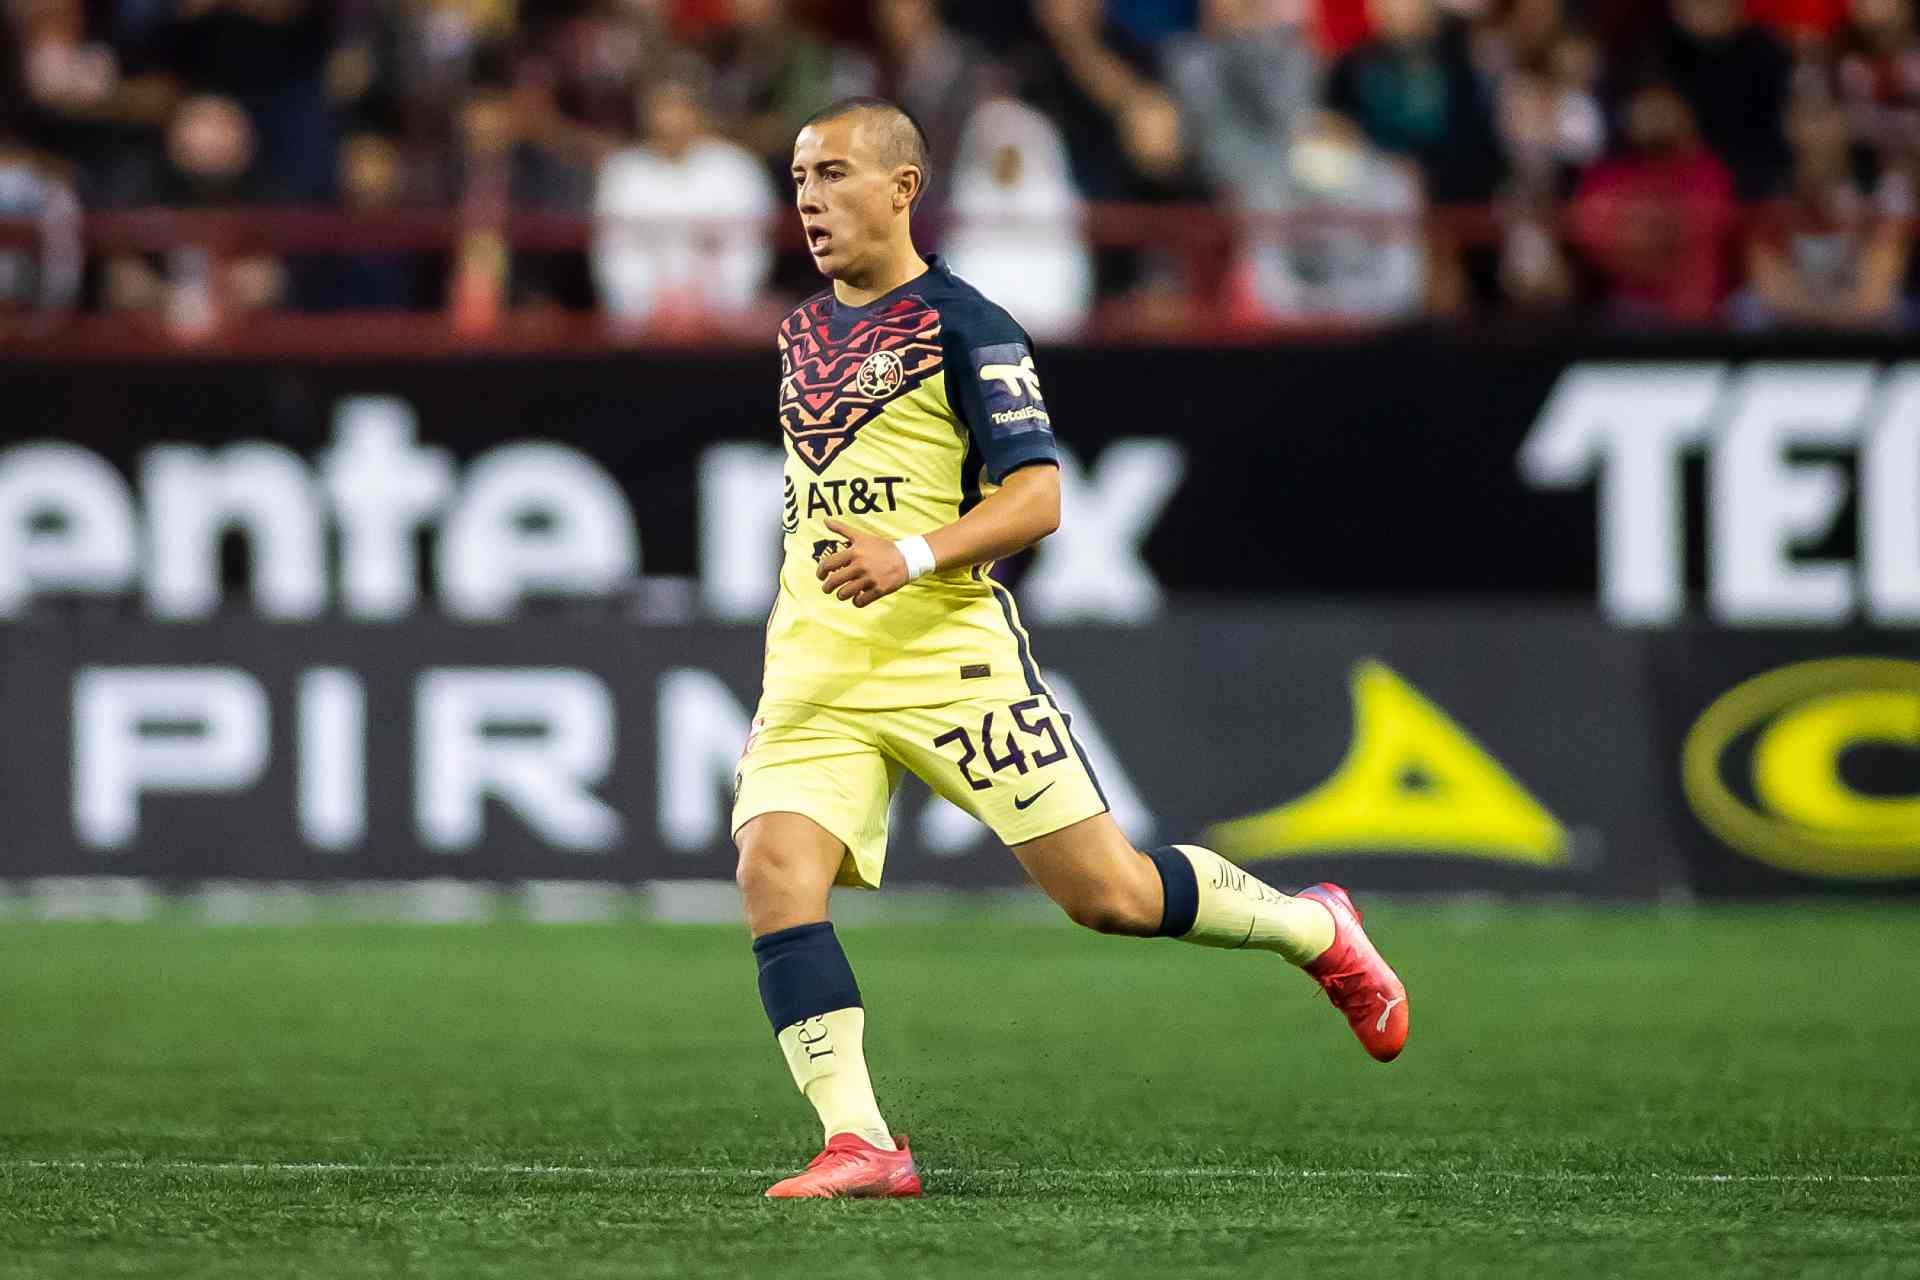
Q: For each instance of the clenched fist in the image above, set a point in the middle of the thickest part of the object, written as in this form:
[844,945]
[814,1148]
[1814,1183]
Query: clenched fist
[864,570]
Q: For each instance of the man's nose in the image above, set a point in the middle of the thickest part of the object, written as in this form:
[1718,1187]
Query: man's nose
[809,197]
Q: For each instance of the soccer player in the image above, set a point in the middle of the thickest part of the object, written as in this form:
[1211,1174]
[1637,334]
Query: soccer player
[919,450]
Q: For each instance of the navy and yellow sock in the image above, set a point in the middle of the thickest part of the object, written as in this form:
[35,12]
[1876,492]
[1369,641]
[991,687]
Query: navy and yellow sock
[1212,903]
[811,998]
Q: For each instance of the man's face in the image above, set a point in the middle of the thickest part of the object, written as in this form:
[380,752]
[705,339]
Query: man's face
[1818,133]
[757,15]
[901,22]
[211,138]
[1708,19]
[1241,17]
[1658,120]
[670,118]
[369,171]
[1401,21]
[848,199]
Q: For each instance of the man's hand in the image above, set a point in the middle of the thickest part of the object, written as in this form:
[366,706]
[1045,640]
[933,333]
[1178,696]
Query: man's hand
[864,570]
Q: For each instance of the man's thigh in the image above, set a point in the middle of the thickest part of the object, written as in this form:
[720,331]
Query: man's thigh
[826,765]
[1010,762]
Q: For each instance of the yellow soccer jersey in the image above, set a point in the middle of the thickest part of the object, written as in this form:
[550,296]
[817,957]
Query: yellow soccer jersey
[897,418]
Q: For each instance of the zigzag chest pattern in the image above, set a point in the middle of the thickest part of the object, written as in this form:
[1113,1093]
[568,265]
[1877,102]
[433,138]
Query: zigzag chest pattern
[835,377]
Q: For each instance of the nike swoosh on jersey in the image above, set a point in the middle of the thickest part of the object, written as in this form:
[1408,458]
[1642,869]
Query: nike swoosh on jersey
[1018,803]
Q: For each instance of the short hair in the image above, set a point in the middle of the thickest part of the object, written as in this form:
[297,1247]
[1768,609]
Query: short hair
[902,140]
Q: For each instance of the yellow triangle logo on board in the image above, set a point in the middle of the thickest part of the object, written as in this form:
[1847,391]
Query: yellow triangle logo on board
[1412,781]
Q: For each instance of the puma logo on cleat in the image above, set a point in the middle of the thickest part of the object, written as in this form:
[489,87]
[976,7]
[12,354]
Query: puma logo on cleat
[1381,995]
[1018,803]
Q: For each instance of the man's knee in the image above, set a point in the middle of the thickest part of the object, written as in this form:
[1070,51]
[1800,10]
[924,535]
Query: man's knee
[764,861]
[785,867]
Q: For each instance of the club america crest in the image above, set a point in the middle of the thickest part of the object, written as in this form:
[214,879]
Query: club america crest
[880,375]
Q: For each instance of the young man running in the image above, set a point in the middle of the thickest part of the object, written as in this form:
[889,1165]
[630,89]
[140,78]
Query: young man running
[918,451]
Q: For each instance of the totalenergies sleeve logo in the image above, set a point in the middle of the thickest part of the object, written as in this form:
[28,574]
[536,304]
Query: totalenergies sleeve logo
[1829,785]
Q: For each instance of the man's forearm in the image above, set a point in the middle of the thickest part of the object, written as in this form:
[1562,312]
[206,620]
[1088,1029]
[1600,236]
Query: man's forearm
[1020,513]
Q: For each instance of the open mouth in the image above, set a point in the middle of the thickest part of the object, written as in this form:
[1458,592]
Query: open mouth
[818,239]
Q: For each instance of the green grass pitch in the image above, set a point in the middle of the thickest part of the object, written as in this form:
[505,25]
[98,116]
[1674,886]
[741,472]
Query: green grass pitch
[1729,1091]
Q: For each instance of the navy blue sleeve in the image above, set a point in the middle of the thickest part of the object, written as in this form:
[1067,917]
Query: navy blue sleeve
[993,386]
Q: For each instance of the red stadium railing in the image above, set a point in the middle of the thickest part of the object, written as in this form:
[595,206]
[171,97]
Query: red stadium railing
[1201,240]
[329,230]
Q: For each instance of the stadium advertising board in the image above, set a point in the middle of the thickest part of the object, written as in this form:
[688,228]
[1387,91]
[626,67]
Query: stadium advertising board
[1765,485]
[491,618]
[1797,759]
[1410,751]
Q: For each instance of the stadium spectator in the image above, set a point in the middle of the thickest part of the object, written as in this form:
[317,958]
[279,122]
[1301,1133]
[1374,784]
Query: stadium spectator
[1245,82]
[1351,248]
[1655,221]
[1824,256]
[1543,79]
[574,92]
[1518,35]
[1096,82]
[1549,135]
[72,95]
[1551,128]
[591,66]
[1735,77]
[1124,136]
[498,167]
[213,163]
[1879,76]
[360,90]
[44,274]
[1413,90]
[938,76]
[650,267]
[427,56]
[771,74]
[270,56]
[1016,221]
[489,105]
[372,178]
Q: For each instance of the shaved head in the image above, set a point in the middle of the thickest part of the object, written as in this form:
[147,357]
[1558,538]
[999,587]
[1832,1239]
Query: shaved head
[896,136]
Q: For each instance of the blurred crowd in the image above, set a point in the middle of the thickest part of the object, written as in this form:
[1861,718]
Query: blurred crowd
[1659,162]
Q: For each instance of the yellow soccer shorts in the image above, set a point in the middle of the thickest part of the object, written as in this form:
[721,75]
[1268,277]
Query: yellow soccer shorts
[1010,763]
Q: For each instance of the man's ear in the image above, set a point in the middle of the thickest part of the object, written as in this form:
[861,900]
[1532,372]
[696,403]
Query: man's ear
[908,183]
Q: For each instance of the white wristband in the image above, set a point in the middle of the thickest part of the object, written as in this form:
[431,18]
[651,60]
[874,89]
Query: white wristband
[918,554]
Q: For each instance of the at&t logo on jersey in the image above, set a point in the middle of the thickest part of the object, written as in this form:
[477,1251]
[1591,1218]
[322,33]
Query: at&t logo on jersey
[858,496]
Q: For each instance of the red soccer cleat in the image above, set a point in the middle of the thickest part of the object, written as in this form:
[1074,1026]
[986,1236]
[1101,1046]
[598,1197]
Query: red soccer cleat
[852,1166]
[1360,984]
